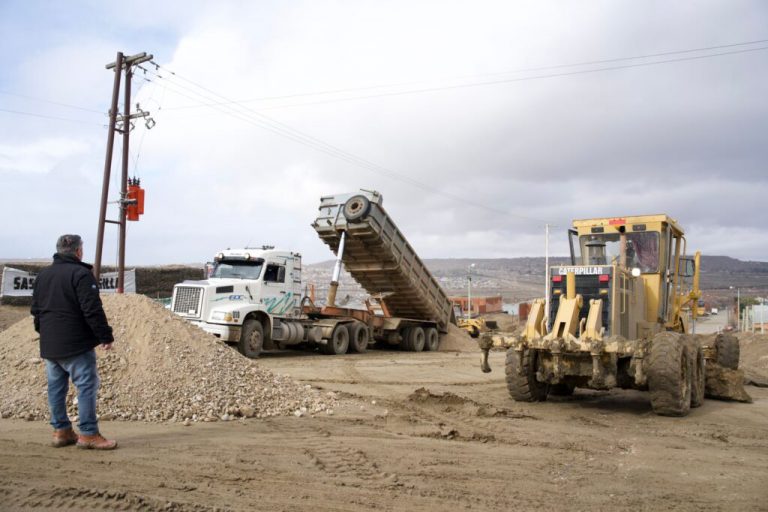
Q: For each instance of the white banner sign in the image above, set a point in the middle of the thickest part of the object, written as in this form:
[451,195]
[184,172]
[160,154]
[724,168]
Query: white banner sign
[19,283]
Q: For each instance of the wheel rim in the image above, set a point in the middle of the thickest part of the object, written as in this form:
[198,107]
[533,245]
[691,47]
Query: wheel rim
[254,341]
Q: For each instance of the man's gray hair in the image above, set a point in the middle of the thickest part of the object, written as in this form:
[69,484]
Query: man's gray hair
[68,244]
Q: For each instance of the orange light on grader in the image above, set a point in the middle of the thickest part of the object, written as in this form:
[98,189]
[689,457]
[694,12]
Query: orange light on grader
[135,207]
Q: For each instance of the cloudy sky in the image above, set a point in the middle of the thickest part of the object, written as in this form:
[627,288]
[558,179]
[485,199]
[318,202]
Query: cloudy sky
[479,121]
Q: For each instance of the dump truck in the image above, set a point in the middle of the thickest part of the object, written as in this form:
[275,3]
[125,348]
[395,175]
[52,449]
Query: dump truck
[253,297]
[621,315]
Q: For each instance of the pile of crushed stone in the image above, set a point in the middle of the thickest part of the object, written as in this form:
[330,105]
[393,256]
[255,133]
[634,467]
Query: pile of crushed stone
[161,369]
[457,340]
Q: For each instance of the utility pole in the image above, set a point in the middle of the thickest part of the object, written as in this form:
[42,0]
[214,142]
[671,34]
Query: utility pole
[469,290]
[121,63]
[546,273]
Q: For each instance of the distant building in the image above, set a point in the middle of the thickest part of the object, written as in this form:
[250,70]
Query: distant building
[481,305]
[756,318]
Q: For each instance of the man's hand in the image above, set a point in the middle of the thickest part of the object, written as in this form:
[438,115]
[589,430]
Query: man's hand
[106,346]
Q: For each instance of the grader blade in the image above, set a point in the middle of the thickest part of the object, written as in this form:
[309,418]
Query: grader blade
[725,384]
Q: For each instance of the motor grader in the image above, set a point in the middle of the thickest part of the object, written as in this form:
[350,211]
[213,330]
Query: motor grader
[622,314]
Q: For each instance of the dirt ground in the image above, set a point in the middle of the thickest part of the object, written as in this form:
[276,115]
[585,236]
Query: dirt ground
[416,432]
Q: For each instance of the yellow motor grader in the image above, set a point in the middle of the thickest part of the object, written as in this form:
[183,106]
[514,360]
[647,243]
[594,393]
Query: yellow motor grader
[621,315]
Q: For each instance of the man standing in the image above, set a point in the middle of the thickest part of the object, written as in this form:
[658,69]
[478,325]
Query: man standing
[70,319]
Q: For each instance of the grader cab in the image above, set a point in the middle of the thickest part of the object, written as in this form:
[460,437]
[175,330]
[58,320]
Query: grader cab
[622,314]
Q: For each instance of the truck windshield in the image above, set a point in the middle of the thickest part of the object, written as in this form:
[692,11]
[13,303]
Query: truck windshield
[642,250]
[238,269]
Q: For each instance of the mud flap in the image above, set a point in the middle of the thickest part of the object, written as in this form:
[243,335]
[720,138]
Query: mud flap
[725,384]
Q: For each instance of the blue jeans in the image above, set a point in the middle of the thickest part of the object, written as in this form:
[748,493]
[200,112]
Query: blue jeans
[82,370]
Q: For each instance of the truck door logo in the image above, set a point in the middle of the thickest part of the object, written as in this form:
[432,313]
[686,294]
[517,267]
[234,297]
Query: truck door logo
[278,306]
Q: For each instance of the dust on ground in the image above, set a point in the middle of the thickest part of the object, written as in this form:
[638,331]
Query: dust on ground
[417,432]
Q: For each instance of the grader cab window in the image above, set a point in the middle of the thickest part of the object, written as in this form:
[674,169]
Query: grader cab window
[642,250]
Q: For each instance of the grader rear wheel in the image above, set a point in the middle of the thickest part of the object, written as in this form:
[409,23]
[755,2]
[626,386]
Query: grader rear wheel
[523,386]
[669,375]
[728,350]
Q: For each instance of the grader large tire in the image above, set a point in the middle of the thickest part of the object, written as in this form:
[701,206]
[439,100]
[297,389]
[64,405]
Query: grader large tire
[698,370]
[251,339]
[669,375]
[728,350]
[525,387]
[358,337]
[338,343]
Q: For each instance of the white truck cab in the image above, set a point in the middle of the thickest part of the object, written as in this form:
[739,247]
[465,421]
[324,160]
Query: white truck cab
[263,283]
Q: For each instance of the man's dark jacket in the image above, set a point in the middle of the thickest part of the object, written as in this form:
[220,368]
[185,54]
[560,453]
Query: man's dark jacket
[67,309]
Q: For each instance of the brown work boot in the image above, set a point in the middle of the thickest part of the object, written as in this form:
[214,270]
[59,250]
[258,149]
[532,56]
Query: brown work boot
[95,442]
[63,437]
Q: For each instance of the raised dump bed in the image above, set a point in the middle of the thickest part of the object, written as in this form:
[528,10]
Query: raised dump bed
[378,256]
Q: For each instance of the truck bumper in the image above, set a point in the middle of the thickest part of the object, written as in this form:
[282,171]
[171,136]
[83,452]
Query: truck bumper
[224,332]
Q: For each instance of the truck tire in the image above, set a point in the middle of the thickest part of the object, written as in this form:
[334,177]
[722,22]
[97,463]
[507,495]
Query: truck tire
[416,339]
[358,337]
[728,350]
[669,375]
[338,343]
[432,339]
[525,387]
[251,339]
[356,208]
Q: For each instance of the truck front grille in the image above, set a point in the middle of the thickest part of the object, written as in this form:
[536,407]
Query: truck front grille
[186,300]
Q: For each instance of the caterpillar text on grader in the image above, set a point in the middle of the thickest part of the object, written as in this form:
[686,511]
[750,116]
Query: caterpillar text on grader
[619,317]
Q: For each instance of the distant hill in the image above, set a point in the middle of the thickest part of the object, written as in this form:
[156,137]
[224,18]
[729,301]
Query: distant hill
[520,279]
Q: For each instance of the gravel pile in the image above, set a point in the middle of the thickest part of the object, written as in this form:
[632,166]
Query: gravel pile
[161,369]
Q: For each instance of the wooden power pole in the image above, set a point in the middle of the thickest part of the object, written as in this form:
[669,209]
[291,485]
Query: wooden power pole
[126,64]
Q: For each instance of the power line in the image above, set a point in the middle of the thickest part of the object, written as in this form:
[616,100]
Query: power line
[31,114]
[289,132]
[513,80]
[284,130]
[482,83]
[51,102]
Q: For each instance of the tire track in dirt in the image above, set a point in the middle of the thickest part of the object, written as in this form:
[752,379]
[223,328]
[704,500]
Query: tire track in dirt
[335,459]
[77,499]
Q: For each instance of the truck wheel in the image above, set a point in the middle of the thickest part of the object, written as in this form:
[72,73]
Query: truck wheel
[432,339]
[416,339]
[525,387]
[728,350]
[669,375]
[338,343]
[358,337]
[356,208]
[251,339]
